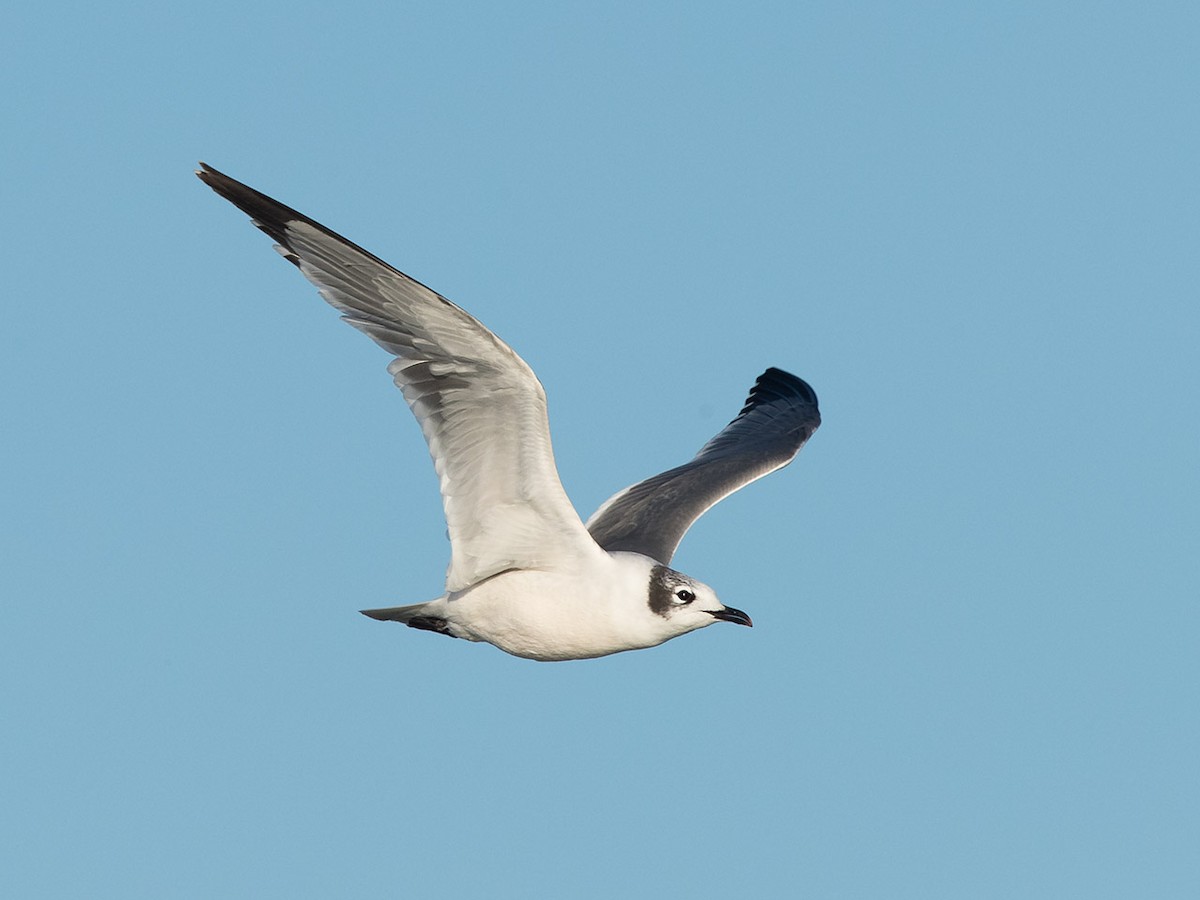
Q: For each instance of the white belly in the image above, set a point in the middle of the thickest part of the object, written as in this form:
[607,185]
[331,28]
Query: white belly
[555,616]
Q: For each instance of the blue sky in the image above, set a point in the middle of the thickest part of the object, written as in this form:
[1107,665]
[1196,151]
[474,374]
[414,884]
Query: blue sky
[972,227]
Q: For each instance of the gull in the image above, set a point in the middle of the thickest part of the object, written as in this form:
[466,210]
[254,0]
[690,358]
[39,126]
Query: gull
[526,574]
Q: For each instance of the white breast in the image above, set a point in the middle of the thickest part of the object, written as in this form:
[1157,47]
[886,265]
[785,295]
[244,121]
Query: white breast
[552,615]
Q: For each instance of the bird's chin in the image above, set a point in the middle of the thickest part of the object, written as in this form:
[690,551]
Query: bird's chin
[729,614]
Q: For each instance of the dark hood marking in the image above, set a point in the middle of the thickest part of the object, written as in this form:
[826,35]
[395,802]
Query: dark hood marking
[664,583]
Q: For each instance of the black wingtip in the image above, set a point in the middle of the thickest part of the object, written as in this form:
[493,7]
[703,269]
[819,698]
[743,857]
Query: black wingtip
[776,384]
[268,213]
[271,216]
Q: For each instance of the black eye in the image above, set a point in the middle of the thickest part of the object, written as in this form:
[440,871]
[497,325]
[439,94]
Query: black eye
[685,596]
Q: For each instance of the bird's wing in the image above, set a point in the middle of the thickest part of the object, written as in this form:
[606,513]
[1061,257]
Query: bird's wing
[651,517]
[480,406]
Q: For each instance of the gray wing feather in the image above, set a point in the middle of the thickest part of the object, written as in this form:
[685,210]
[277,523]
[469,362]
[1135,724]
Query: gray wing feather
[481,408]
[651,517]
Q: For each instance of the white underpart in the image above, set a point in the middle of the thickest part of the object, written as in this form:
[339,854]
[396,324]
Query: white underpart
[559,615]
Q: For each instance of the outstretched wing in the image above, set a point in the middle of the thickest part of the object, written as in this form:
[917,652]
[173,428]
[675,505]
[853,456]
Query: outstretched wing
[481,408]
[651,517]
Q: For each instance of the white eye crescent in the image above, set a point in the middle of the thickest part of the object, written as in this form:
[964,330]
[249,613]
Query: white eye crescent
[684,596]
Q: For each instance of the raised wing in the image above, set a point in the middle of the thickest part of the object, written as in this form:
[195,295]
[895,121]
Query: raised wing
[481,408]
[651,517]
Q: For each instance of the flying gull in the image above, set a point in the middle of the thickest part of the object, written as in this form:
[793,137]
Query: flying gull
[526,574]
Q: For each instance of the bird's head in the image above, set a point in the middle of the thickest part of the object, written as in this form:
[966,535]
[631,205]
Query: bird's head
[687,604]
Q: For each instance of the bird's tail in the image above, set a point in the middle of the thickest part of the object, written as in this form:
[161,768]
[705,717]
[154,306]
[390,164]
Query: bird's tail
[403,614]
[417,615]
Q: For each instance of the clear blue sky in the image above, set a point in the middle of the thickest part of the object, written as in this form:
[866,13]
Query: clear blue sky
[973,228]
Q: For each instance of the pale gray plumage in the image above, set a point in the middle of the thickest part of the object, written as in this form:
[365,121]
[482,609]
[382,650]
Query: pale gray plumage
[466,387]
